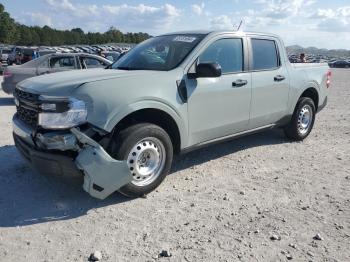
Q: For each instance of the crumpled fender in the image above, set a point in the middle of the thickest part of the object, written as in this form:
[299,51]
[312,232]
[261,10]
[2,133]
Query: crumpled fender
[103,174]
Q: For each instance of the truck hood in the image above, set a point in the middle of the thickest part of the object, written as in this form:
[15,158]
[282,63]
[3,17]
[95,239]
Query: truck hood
[63,82]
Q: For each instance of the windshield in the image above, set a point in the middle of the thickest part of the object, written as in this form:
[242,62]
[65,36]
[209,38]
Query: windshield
[160,53]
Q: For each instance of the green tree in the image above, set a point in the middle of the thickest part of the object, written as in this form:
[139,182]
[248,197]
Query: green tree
[14,33]
[8,28]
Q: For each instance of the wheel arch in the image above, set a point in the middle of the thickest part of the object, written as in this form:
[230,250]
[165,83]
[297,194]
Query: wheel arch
[162,116]
[311,92]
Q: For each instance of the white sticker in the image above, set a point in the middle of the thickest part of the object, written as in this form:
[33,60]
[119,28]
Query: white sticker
[186,39]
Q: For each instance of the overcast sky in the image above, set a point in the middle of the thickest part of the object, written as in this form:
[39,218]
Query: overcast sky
[321,23]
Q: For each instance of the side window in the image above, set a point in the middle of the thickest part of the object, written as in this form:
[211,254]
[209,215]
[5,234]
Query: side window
[265,54]
[44,64]
[228,53]
[62,62]
[93,63]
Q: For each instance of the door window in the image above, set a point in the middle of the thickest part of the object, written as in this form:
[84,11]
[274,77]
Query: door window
[44,64]
[62,62]
[265,55]
[228,53]
[89,62]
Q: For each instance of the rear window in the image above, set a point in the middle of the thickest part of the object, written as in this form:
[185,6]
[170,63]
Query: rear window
[265,54]
[28,52]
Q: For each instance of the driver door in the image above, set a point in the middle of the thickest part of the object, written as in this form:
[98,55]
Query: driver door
[219,107]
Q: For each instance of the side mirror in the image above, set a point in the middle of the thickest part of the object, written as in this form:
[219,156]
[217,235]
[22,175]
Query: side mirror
[208,70]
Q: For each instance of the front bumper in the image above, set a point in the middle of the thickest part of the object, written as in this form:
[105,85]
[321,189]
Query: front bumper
[103,175]
[45,162]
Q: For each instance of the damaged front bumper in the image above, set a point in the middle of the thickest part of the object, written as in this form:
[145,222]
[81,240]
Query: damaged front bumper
[72,153]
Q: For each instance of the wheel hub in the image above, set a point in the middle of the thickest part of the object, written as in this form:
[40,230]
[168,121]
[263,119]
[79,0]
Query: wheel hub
[146,160]
[304,119]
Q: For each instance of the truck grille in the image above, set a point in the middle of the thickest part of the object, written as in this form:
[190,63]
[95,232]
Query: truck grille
[28,107]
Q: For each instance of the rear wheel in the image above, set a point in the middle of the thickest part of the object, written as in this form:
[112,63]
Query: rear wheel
[302,120]
[148,150]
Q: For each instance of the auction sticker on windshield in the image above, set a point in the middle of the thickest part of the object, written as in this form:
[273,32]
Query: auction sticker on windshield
[187,39]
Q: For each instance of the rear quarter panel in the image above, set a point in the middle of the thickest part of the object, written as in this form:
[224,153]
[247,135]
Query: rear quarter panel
[21,73]
[304,76]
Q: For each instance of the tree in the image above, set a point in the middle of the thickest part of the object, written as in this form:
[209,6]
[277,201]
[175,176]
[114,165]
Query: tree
[14,33]
[78,30]
[8,28]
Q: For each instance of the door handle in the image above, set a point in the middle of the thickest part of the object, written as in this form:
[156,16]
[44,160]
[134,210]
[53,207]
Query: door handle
[239,83]
[279,78]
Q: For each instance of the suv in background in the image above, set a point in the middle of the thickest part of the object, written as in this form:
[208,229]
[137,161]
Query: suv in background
[4,53]
[20,55]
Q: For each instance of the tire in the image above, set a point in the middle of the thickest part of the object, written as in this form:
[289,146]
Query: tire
[303,120]
[149,152]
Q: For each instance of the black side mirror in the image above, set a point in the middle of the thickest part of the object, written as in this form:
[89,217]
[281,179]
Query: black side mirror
[208,70]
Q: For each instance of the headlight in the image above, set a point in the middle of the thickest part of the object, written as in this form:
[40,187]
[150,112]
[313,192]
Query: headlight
[62,113]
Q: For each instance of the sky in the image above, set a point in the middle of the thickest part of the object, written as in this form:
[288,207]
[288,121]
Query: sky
[319,23]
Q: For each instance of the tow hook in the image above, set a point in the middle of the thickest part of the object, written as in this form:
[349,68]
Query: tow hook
[103,174]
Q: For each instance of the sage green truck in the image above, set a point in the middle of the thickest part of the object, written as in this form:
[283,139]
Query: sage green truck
[120,127]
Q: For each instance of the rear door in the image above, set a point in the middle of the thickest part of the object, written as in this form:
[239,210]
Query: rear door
[270,82]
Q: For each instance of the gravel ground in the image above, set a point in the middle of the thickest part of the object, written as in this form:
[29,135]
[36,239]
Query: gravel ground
[258,198]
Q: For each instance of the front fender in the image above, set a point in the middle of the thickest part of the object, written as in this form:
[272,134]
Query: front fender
[117,115]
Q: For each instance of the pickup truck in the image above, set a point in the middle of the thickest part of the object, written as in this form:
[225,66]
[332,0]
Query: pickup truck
[119,127]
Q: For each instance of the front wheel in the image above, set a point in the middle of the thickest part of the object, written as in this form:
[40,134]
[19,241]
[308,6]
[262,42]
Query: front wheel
[148,150]
[302,120]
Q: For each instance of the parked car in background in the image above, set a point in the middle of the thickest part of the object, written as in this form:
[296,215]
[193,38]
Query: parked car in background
[46,52]
[4,53]
[340,64]
[13,55]
[1,68]
[47,64]
[118,128]
[20,55]
[112,56]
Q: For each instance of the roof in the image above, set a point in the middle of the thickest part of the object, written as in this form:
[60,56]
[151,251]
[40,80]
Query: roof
[217,32]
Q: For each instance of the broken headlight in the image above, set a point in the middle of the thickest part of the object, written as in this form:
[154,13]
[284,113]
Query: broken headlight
[61,113]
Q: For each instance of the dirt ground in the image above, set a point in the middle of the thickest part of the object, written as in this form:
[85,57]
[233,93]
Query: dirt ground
[258,198]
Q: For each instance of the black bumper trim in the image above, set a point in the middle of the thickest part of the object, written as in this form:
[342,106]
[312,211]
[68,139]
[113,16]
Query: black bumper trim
[47,163]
